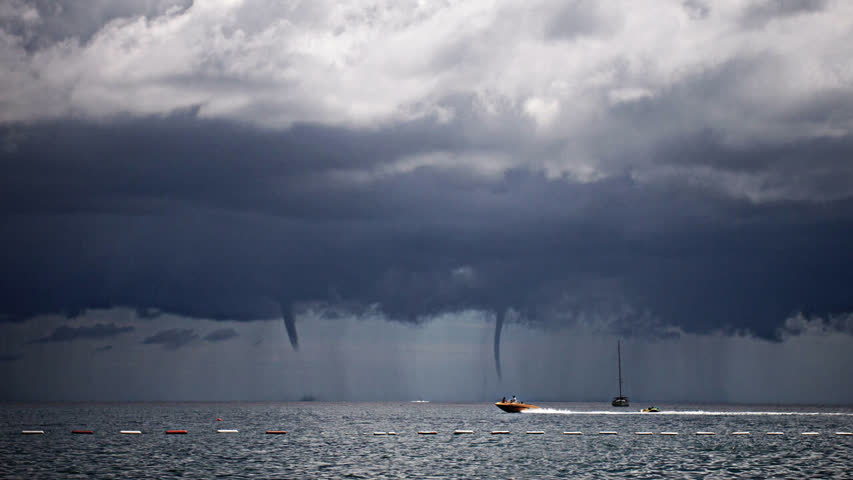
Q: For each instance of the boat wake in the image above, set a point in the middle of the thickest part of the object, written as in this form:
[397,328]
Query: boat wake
[554,411]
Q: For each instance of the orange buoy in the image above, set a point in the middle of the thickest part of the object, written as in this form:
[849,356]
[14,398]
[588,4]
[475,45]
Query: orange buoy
[276,432]
[176,432]
[83,432]
[218,419]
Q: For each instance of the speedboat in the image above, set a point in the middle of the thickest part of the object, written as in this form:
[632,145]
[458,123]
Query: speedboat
[515,407]
[650,410]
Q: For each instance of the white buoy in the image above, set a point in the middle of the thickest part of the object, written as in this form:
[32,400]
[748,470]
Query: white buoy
[500,432]
[608,432]
[740,433]
[811,433]
[427,432]
[669,433]
[844,433]
[130,432]
[392,433]
[226,431]
[572,433]
[643,433]
[461,432]
[380,433]
[705,433]
[32,432]
[775,433]
[536,432]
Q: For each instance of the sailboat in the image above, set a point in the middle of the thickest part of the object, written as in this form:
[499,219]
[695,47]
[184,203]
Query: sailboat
[620,401]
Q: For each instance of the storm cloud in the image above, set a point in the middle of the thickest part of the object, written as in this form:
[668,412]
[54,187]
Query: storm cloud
[657,169]
[98,331]
[172,338]
[11,357]
[221,334]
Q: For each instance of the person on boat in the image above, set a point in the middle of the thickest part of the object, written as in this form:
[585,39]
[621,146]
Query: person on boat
[513,400]
[503,400]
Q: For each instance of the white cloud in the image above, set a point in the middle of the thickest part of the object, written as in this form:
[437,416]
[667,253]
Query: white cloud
[627,95]
[544,111]
[368,64]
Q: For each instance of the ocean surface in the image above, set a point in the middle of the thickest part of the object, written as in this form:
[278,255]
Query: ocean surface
[337,440]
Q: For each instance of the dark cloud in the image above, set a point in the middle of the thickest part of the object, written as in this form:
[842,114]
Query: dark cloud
[172,338]
[220,221]
[759,13]
[222,334]
[10,357]
[65,333]
[555,166]
[578,18]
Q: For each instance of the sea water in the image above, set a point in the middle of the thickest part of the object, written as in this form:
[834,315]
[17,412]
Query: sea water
[339,440]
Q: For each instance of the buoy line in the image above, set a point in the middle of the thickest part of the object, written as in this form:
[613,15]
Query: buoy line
[469,432]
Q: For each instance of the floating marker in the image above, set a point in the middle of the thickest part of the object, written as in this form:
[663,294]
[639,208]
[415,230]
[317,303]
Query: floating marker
[218,419]
[705,433]
[740,433]
[810,433]
[461,432]
[176,432]
[844,433]
[643,433]
[500,432]
[130,432]
[427,433]
[83,432]
[392,433]
[775,433]
[276,432]
[226,431]
[32,432]
[572,433]
[380,433]
[536,432]
[608,432]
[669,433]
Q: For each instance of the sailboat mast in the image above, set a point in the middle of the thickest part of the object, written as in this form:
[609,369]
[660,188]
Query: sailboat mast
[619,357]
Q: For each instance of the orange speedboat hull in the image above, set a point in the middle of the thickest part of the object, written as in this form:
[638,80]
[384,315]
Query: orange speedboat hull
[515,407]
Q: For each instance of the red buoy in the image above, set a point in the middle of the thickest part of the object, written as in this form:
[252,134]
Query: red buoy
[176,432]
[83,432]
[218,419]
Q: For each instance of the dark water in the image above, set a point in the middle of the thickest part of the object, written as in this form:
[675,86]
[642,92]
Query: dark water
[335,440]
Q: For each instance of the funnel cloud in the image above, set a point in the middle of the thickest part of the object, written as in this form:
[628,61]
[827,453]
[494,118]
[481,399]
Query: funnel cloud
[653,171]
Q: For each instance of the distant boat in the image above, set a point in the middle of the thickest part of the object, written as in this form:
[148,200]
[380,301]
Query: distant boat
[650,410]
[619,401]
[420,401]
[515,407]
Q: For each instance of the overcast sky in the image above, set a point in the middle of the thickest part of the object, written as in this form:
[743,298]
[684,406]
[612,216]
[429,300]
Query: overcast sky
[456,200]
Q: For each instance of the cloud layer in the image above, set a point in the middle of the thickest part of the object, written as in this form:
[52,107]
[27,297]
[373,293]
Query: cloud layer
[660,168]
[98,331]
